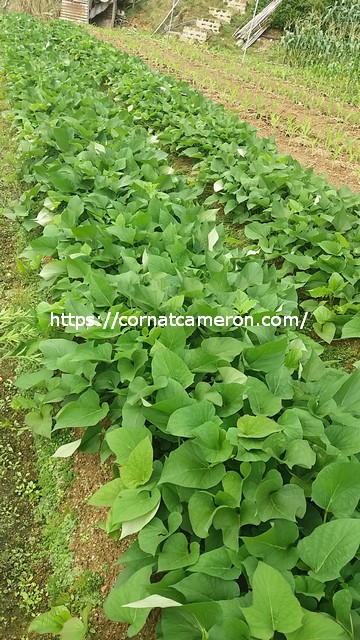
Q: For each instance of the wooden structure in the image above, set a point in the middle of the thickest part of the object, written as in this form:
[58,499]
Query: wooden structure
[85,11]
[249,33]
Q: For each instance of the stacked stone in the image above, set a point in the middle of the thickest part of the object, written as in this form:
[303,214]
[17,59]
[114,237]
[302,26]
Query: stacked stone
[205,27]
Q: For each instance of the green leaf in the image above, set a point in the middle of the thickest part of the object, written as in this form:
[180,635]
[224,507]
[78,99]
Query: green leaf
[63,179]
[344,434]
[288,502]
[318,626]
[232,375]
[187,467]
[135,525]
[228,521]
[28,380]
[229,629]
[351,329]
[66,450]
[55,349]
[101,289]
[330,547]
[201,512]
[123,440]
[83,412]
[199,587]
[133,503]
[266,357]
[323,315]
[169,364]
[224,348]
[337,488]
[325,331]
[257,426]
[345,616]
[348,394]
[276,501]
[309,587]
[156,532]
[330,246]
[272,546]
[139,466]
[301,261]
[185,421]
[299,453]
[105,495]
[262,401]
[73,629]
[129,590]
[274,608]
[153,601]
[50,622]
[216,563]
[232,489]
[176,553]
[40,421]
[280,383]
[190,622]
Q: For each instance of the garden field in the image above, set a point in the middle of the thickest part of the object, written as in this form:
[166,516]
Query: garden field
[181,481]
[313,117]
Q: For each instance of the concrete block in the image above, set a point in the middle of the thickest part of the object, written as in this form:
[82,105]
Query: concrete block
[236,5]
[190,33]
[221,14]
[208,25]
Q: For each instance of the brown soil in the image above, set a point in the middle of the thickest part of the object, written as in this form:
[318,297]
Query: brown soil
[92,547]
[311,151]
[341,353]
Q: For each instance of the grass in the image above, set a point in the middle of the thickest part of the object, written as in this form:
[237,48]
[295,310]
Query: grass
[342,354]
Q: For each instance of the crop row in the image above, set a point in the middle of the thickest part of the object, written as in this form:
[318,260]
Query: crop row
[304,87]
[235,450]
[297,219]
[239,94]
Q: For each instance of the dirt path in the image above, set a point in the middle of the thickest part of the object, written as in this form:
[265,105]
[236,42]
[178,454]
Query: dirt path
[23,566]
[320,133]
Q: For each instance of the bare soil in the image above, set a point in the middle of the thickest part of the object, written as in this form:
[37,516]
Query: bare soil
[92,547]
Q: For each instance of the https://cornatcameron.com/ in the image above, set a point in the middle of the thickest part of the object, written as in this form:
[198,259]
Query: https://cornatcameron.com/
[114,320]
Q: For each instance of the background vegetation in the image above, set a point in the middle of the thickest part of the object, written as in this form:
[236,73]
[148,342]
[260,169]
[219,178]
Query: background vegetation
[329,41]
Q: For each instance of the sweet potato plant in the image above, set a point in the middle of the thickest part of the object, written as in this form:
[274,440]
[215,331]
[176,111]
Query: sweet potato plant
[235,450]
